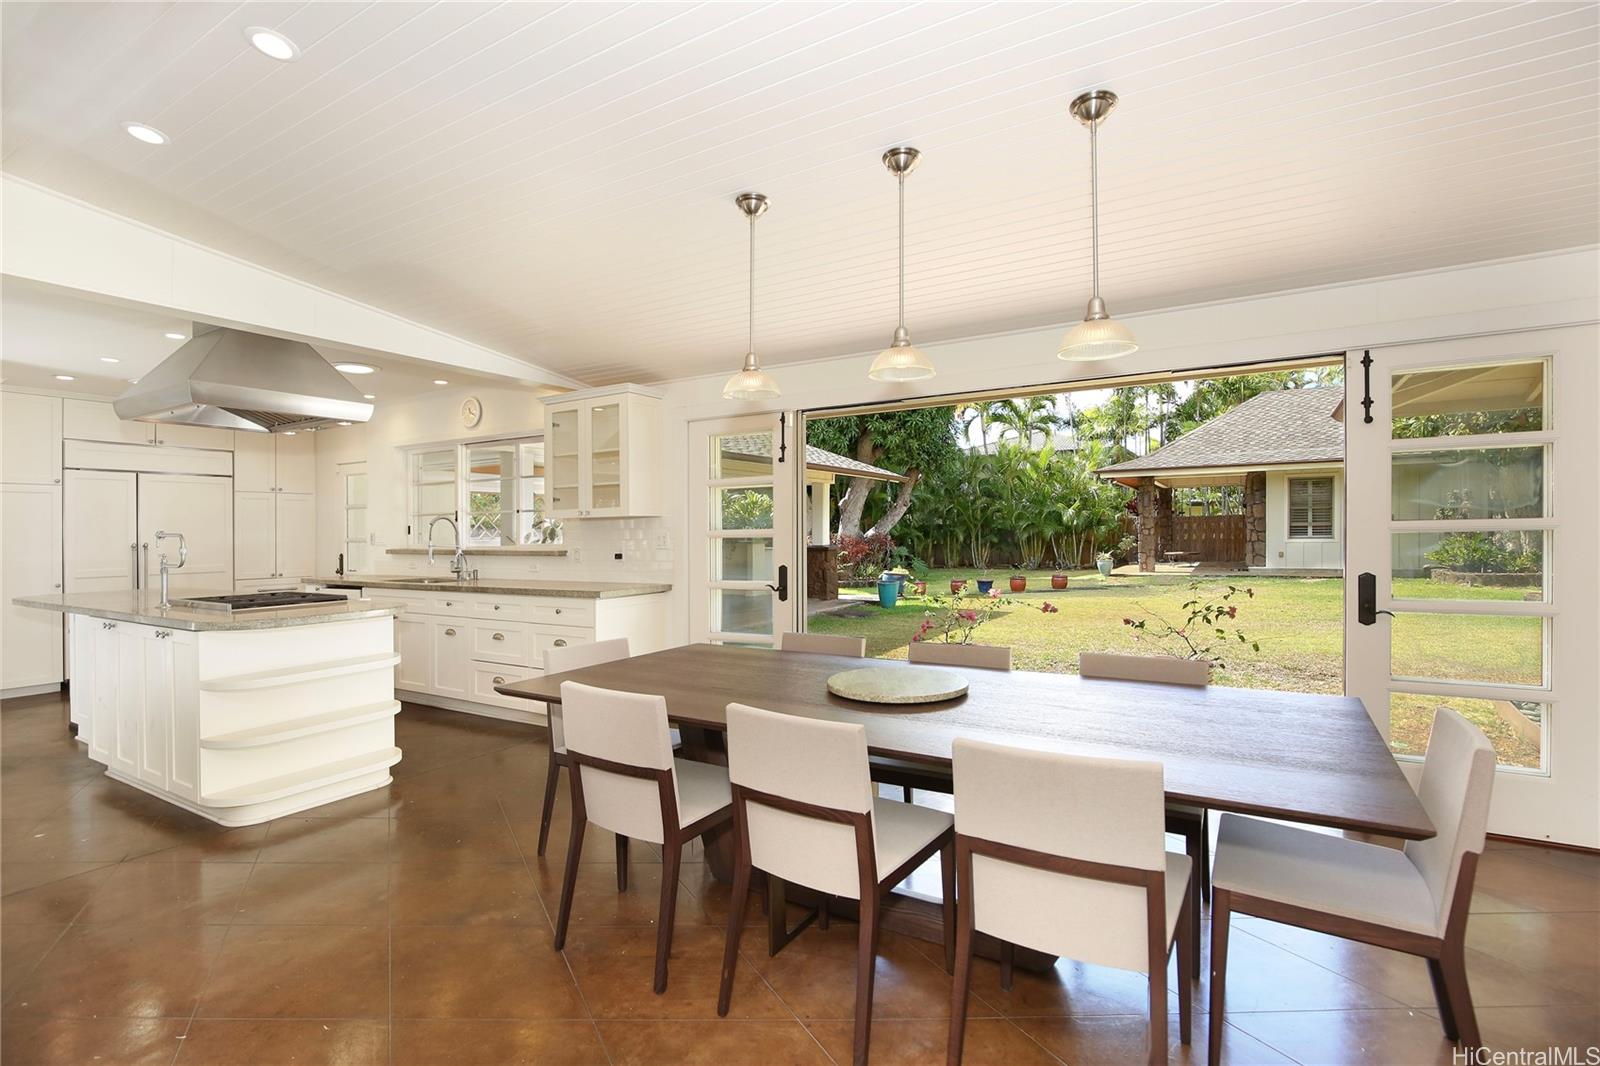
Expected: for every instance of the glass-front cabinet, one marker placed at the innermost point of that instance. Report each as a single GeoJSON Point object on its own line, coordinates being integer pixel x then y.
{"type": "Point", "coordinates": [602, 445]}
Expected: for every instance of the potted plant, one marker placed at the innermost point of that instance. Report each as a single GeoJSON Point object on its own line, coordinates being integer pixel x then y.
{"type": "Point", "coordinates": [957, 584]}
{"type": "Point", "coordinates": [1102, 563]}
{"type": "Point", "coordinates": [984, 585]}
{"type": "Point", "coordinates": [1019, 583]}
{"type": "Point", "coordinates": [888, 591]}
{"type": "Point", "coordinates": [1058, 580]}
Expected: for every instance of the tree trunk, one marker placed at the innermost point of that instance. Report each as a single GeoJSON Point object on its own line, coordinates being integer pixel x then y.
{"type": "Point", "coordinates": [897, 509]}
{"type": "Point", "coordinates": [850, 506]}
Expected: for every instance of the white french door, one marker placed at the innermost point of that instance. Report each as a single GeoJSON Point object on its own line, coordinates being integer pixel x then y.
{"type": "Point", "coordinates": [1472, 570]}
{"type": "Point", "coordinates": [742, 567]}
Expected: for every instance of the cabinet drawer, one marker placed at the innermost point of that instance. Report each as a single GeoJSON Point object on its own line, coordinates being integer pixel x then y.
{"type": "Point", "coordinates": [555, 611]}
{"type": "Point", "coordinates": [485, 676]}
{"type": "Point", "coordinates": [411, 602]}
{"type": "Point", "coordinates": [505, 642]}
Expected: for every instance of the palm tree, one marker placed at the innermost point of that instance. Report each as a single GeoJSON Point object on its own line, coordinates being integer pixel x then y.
{"type": "Point", "coordinates": [1026, 417]}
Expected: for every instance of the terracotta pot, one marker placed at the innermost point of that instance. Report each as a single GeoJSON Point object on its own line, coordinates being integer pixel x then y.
{"type": "Point", "coordinates": [1058, 581]}
{"type": "Point", "coordinates": [1019, 584]}
{"type": "Point", "coordinates": [921, 587]}
{"type": "Point", "coordinates": [957, 584]}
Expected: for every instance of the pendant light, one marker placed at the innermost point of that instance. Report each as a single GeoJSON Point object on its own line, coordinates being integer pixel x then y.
{"type": "Point", "coordinates": [751, 382]}
{"type": "Point", "coordinates": [1098, 336]}
{"type": "Point", "coordinates": [901, 361]}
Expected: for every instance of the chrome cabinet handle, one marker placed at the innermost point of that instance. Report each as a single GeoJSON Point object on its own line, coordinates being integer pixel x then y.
{"type": "Point", "coordinates": [162, 634]}
{"type": "Point", "coordinates": [134, 548]}
{"type": "Point", "coordinates": [499, 680]}
{"type": "Point", "coordinates": [449, 632]}
{"type": "Point", "coordinates": [499, 636]}
{"type": "Point", "coordinates": [561, 642]}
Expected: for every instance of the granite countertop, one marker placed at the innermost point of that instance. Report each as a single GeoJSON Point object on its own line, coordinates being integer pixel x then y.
{"type": "Point", "coordinates": [503, 586]}
{"type": "Point", "coordinates": [141, 607]}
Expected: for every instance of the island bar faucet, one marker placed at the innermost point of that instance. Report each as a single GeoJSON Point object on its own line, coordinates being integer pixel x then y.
{"type": "Point", "coordinates": [458, 561]}
{"type": "Point", "coordinates": [183, 557]}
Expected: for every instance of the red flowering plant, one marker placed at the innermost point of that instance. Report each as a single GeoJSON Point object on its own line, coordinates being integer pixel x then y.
{"type": "Point", "coordinates": [953, 618]}
{"type": "Point", "coordinates": [1206, 630]}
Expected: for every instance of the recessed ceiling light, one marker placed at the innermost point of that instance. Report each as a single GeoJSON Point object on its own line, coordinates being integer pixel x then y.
{"type": "Point", "coordinates": [175, 336]}
{"type": "Point", "coordinates": [65, 377]}
{"type": "Point", "coordinates": [440, 381]}
{"type": "Point", "coordinates": [288, 433]}
{"type": "Point", "coordinates": [344, 423]}
{"type": "Point", "coordinates": [109, 359]}
{"type": "Point", "coordinates": [368, 396]}
{"type": "Point", "coordinates": [272, 44]}
{"type": "Point", "coordinates": [148, 134]}
{"type": "Point", "coordinates": [355, 368]}
{"type": "Point", "coordinates": [133, 381]}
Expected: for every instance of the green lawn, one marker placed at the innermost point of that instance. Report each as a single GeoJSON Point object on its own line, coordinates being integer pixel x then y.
{"type": "Point", "coordinates": [1298, 622]}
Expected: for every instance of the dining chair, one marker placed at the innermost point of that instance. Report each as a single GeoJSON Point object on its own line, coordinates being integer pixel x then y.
{"type": "Point", "coordinates": [625, 779]}
{"type": "Point", "coordinates": [1097, 887]}
{"type": "Point", "coordinates": [558, 661]}
{"type": "Point", "coordinates": [981, 656]}
{"type": "Point", "coordinates": [823, 644]}
{"type": "Point", "coordinates": [804, 811]}
{"type": "Point", "coordinates": [1414, 899]}
{"type": "Point", "coordinates": [1183, 819]}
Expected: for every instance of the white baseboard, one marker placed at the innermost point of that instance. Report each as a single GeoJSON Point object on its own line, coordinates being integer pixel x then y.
{"type": "Point", "coordinates": [484, 710]}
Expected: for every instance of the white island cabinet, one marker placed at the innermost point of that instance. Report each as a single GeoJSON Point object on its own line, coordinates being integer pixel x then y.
{"type": "Point", "coordinates": [239, 718]}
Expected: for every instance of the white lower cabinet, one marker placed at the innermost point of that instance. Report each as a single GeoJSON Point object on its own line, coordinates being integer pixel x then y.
{"type": "Point", "coordinates": [138, 683]}
{"type": "Point", "coordinates": [456, 647]}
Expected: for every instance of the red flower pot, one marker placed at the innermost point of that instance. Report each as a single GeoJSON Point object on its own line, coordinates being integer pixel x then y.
{"type": "Point", "coordinates": [1019, 584]}
{"type": "Point", "coordinates": [957, 584]}
{"type": "Point", "coordinates": [1058, 581]}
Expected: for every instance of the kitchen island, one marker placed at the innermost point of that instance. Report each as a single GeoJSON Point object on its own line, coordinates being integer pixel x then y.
{"type": "Point", "coordinates": [239, 717]}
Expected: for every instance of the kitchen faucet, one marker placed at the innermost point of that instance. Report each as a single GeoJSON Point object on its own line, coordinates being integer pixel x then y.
{"type": "Point", "coordinates": [458, 561]}
{"type": "Point", "coordinates": [183, 557]}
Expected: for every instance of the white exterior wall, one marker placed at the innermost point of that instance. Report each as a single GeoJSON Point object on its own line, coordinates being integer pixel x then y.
{"type": "Point", "coordinates": [1302, 553]}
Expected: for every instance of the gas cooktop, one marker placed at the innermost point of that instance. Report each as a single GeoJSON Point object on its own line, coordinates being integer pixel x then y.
{"type": "Point", "coordinates": [260, 601]}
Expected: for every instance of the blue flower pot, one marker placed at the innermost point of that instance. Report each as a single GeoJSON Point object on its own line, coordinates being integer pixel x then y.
{"type": "Point", "coordinates": [888, 593]}
{"type": "Point", "coordinates": [984, 585]}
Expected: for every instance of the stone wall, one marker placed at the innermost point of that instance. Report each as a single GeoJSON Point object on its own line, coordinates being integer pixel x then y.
{"type": "Point", "coordinates": [1149, 524]}
{"type": "Point", "coordinates": [1255, 518]}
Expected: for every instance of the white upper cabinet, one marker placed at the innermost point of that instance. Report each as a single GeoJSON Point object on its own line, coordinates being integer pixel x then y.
{"type": "Point", "coordinates": [600, 449]}
{"type": "Point", "coordinates": [96, 420]}
{"type": "Point", "coordinates": [274, 462]}
{"type": "Point", "coordinates": [30, 439]}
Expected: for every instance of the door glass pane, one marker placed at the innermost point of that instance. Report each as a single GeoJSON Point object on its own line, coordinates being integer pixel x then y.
{"type": "Point", "coordinates": [491, 493]}
{"type": "Point", "coordinates": [741, 455]}
{"type": "Point", "coordinates": [1498, 650]}
{"type": "Point", "coordinates": [562, 440]}
{"type": "Point", "coordinates": [433, 493]}
{"type": "Point", "coordinates": [742, 559]}
{"type": "Point", "coordinates": [1494, 398]}
{"type": "Point", "coordinates": [742, 509]}
{"type": "Point", "coordinates": [738, 611]}
{"type": "Point", "coordinates": [1500, 565]}
{"type": "Point", "coordinates": [1514, 727]}
{"type": "Point", "coordinates": [1469, 483]}
{"type": "Point", "coordinates": [605, 428]}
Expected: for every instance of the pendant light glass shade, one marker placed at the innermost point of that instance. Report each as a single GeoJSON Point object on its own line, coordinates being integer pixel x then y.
{"type": "Point", "coordinates": [1098, 336]}
{"type": "Point", "coordinates": [901, 361]}
{"type": "Point", "coordinates": [751, 382]}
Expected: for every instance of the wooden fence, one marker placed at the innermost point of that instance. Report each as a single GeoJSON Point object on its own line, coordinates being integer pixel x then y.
{"type": "Point", "coordinates": [1217, 538]}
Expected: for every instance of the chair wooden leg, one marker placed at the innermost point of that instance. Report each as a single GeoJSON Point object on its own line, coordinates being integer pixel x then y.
{"type": "Point", "coordinates": [1203, 862]}
{"type": "Point", "coordinates": [777, 914]}
{"type": "Point", "coordinates": [960, 986]}
{"type": "Point", "coordinates": [905, 793]}
{"type": "Point", "coordinates": [671, 857]}
{"type": "Point", "coordinates": [1454, 964]}
{"type": "Point", "coordinates": [1188, 964]}
{"type": "Point", "coordinates": [730, 950]}
{"type": "Point", "coordinates": [622, 864]}
{"type": "Point", "coordinates": [1220, 914]}
{"type": "Point", "coordinates": [1158, 1012]}
{"type": "Point", "coordinates": [947, 877]}
{"type": "Point", "coordinates": [551, 776]}
{"type": "Point", "coordinates": [1008, 958]}
{"type": "Point", "coordinates": [866, 971]}
{"type": "Point", "coordinates": [1191, 917]}
{"type": "Point", "coordinates": [569, 877]}
{"type": "Point", "coordinates": [1441, 997]}
{"type": "Point", "coordinates": [822, 912]}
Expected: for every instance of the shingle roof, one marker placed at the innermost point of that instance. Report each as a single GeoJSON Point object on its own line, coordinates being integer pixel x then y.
{"type": "Point", "coordinates": [760, 445]}
{"type": "Point", "coordinates": [1271, 429]}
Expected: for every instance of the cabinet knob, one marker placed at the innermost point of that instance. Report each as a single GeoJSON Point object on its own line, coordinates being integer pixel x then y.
{"type": "Point", "coordinates": [497, 606]}
{"type": "Point", "coordinates": [499, 680]}
{"type": "Point", "coordinates": [558, 610]}
{"type": "Point", "coordinates": [449, 632]}
{"type": "Point", "coordinates": [56, 585]}
{"type": "Point", "coordinates": [449, 603]}
{"type": "Point", "coordinates": [561, 642]}
{"type": "Point", "coordinates": [499, 636]}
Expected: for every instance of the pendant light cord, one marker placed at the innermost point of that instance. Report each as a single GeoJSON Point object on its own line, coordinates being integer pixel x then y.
{"type": "Point", "coordinates": [1094, 207]}
{"type": "Point", "coordinates": [902, 177]}
{"type": "Point", "coordinates": [751, 335]}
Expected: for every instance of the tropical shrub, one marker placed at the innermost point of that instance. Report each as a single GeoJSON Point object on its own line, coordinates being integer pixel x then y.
{"type": "Point", "coordinates": [862, 559]}
{"type": "Point", "coordinates": [1206, 630]}
{"type": "Point", "coordinates": [1486, 553]}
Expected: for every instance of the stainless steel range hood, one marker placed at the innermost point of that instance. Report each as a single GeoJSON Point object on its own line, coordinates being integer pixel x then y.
{"type": "Point", "coordinates": [237, 380]}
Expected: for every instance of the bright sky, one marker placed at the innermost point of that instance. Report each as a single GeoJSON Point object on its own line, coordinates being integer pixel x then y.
{"type": "Point", "coordinates": [1081, 400]}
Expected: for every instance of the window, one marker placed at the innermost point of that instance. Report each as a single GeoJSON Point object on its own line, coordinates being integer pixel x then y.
{"type": "Point", "coordinates": [498, 485]}
{"type": "Point", "coordinates": [1311, 507]}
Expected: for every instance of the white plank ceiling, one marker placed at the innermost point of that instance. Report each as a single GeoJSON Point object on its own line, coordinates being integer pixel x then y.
{"type": "Point", "coordinates": [556, 181]}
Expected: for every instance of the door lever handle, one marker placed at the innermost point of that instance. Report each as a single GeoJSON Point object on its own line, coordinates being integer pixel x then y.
{"type": "Point", "coordinates": [782, 587]}
{"type": "Point", "coordinates": [1367, 600]}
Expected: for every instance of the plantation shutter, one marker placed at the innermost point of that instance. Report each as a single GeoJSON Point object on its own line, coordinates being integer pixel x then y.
{"type": "Point", "coordinates": [1311, 507]}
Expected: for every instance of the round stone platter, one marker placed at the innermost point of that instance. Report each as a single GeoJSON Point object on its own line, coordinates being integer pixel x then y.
{"type": "Point", "coordinates": [903, 684]}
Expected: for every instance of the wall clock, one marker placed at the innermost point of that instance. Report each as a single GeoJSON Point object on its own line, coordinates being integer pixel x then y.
{"type": "Point", "coordinates": [471, 411]}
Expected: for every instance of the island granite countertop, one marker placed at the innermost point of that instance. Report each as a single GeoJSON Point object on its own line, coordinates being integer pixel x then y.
{"type": "Point", "coordinates": [142, 607]}
{"type": "Point", "coordinates": [502, 586]}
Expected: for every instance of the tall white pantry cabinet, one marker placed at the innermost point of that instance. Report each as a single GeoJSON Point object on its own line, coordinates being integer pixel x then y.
{"type": "Point", "coordinates": [31, 654]}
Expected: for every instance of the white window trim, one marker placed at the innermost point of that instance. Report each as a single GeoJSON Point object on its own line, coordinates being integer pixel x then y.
{"type": "Point", "coordinates": [1333, 510]}
{"type": "Point", "coordinates": [419, 535]}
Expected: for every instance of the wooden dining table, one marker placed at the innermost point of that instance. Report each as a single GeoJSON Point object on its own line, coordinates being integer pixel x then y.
{"type": "Point", "coordinates": [1305, 757]}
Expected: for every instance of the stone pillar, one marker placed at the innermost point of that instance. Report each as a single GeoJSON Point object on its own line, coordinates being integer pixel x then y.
{"type": "Point", "coordinates": [1149, 537]}
{"type": "Point", "coordinates": [1166, 539]}
{"type": "Point", "coordinates": [1255, 519]}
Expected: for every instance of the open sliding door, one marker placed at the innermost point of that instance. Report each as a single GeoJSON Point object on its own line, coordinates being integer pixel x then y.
{"type": "Point", "coordinates": [1472, 575]}
{"type": "Point", "coordinates": [742, 567]}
